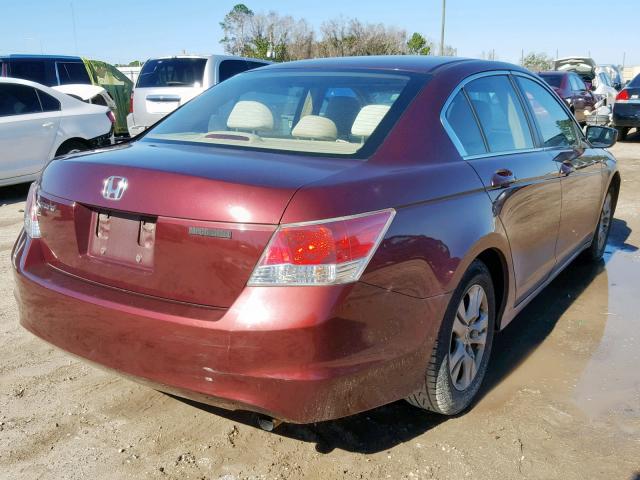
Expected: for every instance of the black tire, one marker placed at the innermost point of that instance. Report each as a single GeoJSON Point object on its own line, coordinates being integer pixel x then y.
{"type": "Point", "coordinates": [71, 146]}
{"type": "Point", "coordinates": [622, 133]}
{"type": "Point", "coordinates": [439, 393]}
{"type": "Point", "coordinates": [601, 235]}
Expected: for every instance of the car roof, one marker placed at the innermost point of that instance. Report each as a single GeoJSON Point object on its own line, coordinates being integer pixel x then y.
{"type": "Point", "coordinates": [400, 63]}
{"type": "Point", "coordinates": [223, 57]}
{"type": "Point", "coordinates": [22, 81]}
{"type": "Point", "coordinates": [18, 56]}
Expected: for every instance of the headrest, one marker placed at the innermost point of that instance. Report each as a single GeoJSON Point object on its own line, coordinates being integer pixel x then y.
{"type": "Point", "coordinates": [250, 115]}
{"type": "Point", "coordinates": [316, 128]}
{"type": "Point", "coordinates": [368, 119]}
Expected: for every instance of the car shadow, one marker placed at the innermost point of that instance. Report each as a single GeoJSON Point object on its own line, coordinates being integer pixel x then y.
{"type": "Point", "coordinates": [14, 194]}
{"type": "Point", "coordinates": [385, 427]}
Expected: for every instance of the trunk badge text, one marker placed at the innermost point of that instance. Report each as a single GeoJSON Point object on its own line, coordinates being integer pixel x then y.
{"type": "Point", "coordinates": [114, 187]}
{"type": "Point", "coordinates": [210, 232]}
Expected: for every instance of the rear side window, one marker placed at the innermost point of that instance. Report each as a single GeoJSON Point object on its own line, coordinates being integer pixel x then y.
{"type": "Point", "coordinates": [72, 72]}
{"type": "Point", "coordinates": [172, 72]}
{"type": "Point", "coordinates": [28, 70]}
{"type": "Point", "coordinates": [464, 125]}
{"type": "Point", "coordinates": [18, 100]}
{"type": "Point", "coordinates": [553, 80]}
{"type": "Point", "coordinates": [49, 103]}
{"type": "Point", "coordinates": [229, 68]}
{"type": "Point", "coordinates": [99, 100]}
{"type": "Point", "coordinates": [577, 85]}
{"type": "Point", "coordinates": [501, 114]}
{"type": "Point", "coordinates": [556, 126]}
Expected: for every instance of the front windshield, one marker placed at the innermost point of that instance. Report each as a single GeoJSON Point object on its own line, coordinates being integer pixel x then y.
{"type": "Point", "coordinates": [329, 113]}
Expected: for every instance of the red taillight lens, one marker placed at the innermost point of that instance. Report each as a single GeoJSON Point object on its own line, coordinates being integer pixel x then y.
{"type": "Point", "coordinates": [622, 96]}
{"type": "Point", "coordinates": [131, 103]}
{"type": "Point", "coordinates": [31, 212]}
{"type": "Point", "coordinates": [111, 116]}
{"type": "Point", "coordinates": [322, 253]}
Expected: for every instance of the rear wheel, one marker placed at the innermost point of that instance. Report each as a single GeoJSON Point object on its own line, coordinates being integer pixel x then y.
{"type": "Point", "coordinates": [622, 133]}
{"type": "Point", "coordinates": [72, 146]}
{"type": "Point", "coordinates": [460, 357]}
{"type": "Point", "coordinates": [601, 235]}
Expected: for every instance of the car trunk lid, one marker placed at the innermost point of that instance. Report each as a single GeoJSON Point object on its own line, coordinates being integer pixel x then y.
{"type": "Point", "coordinates": [190, 225]}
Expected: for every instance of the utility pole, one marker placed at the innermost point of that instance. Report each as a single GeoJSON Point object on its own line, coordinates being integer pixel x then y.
{"type": "Point", "coordinates": [444, 8]}
{"type": "Point", "coordinates": [73, 19]}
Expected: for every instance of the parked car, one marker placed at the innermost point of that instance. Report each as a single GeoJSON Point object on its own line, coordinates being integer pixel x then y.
{"type": "Point", "coordinates": [53, 70]}
{"type": "Point", "coordinates": [626, 110]}
{"type": "Point", "coordinates": [166, 83]}
{"type": "Point", "coordinates": [314, 239]}
{"type": "Point", "coordinates": [92, 94]}
{"type": "Point", "coordinates": [585, 67]}
{"type": "Point", "coordinates": [37, 123]}
{"type": "Point", "coordinates": [602, 87]}
{"type": "Point", "coordinates": [614, 73]}
{"type": "Point", "coordinates": [570, 87]}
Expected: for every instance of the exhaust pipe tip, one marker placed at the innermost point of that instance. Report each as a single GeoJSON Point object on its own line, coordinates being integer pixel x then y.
{"type": "Point", "coordinates": [268, 424]}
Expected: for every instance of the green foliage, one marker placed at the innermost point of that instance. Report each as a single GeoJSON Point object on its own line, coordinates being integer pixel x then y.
{"type": "Point", "coordinates": [418, 45]}
{"type": "Point", "coordinates": [537, 62]}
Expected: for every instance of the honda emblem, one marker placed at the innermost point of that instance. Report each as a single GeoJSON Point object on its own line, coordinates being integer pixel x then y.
{"type": "Point", "coordinates": [114, 188]}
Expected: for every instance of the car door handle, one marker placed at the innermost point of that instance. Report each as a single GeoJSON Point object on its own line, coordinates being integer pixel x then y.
{"type": "Point", "coordinates": [502, 178]}
{"type": "Point", "coordinates": [47, 124]}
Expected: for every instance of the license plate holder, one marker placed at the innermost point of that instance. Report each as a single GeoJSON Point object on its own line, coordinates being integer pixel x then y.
{"type": "Point", "coordinates": [123, 239]}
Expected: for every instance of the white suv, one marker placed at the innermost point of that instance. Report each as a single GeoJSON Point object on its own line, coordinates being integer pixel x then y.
{"type": "Point", "coordinates": [166, 83]}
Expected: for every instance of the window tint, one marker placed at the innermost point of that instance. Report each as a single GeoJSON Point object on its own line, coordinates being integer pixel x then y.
{"type": "Point", "coordinates": [461, 119]}
{"type": "Point", "coordinates": [553, 80]}
{"type": "Point", "coordinates": [28, 70]}
{"type": "Point", "coordinates": [500, 113]}
{"type": "Point", "coordinates": [49, 103]}
{"type": "Point", "coordinates": [18, 100]}
{"type": "Point", "coordinates": [229, 68]}
{"type": "Point", "coordinates": [72, 72]}
{"type": "Point", "coordinates": [635, 82]}
{"type": "Point", "coordinates": [172, 72]}
{"type": "Point", "coordinates": [556, 126]}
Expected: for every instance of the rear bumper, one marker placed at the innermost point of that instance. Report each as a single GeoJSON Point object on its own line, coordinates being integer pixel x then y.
{"type": "Point", "coordinates": [301, 354]}
{"type": "Point", "coordinates": [626, 115]}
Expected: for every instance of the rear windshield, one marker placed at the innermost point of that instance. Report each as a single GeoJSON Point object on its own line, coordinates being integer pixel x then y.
{"type": "Point", "coordinates": [635, 83]}
{"type": "Point", "coordinates": [552, 79]}
{"type": "Point", "coordinates": [327, 113]}
{"type": "Point", "coordinates": [172, 72]}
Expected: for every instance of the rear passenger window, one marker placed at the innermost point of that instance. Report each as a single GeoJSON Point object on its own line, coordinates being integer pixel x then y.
{"type": "Point", "coordinates": [229, 68]}
{"type": "Point", "coordinates": [70, 73]}
{"type": "Point", "coordinates": [501, 114]}
{"type": "Point", "coordinates": [461, 120]}
{"type": "Point", "coordinates": [556, 126]}
{"type": "Point", "coordinates": [28, 70]}
{"type": "Point", "coordinates": [18, 100]}
{"type": "Point", "coordinates": [49, 103]}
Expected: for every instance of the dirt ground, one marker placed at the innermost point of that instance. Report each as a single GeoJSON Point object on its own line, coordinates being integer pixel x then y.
{"type": "Point", "coordinates": [562, 399]}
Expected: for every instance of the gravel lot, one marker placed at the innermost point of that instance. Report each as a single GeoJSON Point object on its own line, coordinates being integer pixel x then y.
{"type": "Point", "coordinates": [562, 400]}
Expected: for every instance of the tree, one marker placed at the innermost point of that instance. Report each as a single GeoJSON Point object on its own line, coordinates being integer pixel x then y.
{"type": "Point", "coordinates": [235, 27]}
{"type": "Point", "coordinates": [537, 62]}
{"type": "Point", "coordinates": [135, 63]}
{"type": "Point", "coordinates": [418, 45]}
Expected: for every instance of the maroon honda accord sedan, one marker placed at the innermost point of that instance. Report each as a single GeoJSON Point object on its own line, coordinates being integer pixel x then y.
{"type": "Point", "coordinates": [314, 239]}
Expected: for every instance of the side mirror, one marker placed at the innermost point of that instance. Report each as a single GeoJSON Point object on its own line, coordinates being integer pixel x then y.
{"type": "Point", "coordinates": [601, 137]}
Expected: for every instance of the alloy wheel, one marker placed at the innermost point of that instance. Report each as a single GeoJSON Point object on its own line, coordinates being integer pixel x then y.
{"type": "Point", "coordinates": [468, 337]}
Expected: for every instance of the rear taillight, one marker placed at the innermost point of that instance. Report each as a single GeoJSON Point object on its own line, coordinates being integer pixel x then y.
{"type": "Point", "coordinates": [131, 103]}
{"type": "Point", "coordinates": [111, 116]}
{"type": "Point", "coordinates": [623, 96]}
{"type": "Point", "coordinates": [31, 213]}
{"type": "Point", "coordinates": [326, 252]}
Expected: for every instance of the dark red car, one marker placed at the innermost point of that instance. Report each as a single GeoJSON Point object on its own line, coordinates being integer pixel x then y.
{"type": "Point", "coordinates": [573, 90]}
{"type": "Point", "coordinates": [314, 239]}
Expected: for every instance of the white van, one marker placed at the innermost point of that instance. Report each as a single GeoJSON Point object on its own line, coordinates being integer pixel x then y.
{"type": "Point", "coordinates": [166, 83]}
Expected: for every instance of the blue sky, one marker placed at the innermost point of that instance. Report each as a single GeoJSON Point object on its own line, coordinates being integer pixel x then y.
{"type": "Point", "coordinates": [144, 28]}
